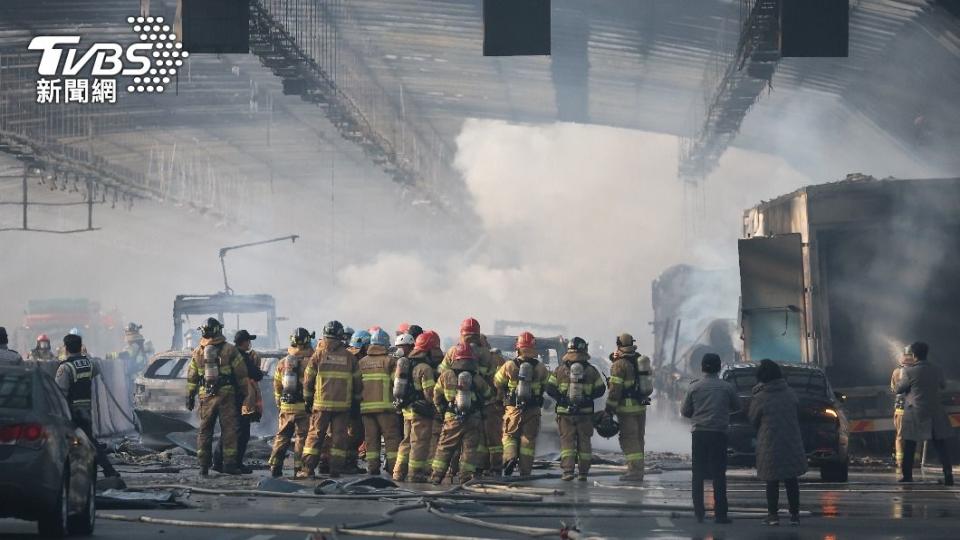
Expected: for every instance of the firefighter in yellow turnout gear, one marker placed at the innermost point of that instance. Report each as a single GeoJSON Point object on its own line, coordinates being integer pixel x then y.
{"type": "Point", "coordinates": [899, 401]}
{"type": "Point", "coordinates": [490, 451]}
{"type": "Point", "coordinates": [218, 374]}
{"type": "Point", "coordinates": [520, 382]}
{"type": "Point", "coordinates": [331, 387]}
{"type": "Point", "coordinates": [413, 392]}
{"type": "Point", "coordinates": [376, 406]}
{"type": "Point", "coordinates": [574, 385]}
{"type": "Point", "coordinates": [630, 384]}
{"type": "Point", "coordinates": [294, 421]}
{"type": "Point", "coordinates": [460, 394]}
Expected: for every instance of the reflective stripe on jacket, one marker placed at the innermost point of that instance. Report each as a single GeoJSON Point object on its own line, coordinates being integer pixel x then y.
{"type": "Point", "coordinates": [303, 358]}
{"type": "Point", "coordinates": [233, 371]}
{"type": "Point", "coordinates": [622, 380]}
{"type": "Point", "coordinates": [376, 376]}
{"type": "Point", "coordinates": [332, 379]}
{"type": "Point", "coordinates": [508, 377]}
{"type": "Point", "coordinates": [558, 384]}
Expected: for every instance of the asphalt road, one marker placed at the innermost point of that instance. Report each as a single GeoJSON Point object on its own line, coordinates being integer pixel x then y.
{"type": "Point", "coordinates": [871, 505]}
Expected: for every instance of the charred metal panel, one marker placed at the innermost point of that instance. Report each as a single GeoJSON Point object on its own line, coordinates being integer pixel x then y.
{"type": "Point", "coordinates": [771, 281]}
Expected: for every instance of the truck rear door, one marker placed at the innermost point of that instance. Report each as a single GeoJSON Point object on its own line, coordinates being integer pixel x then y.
{"type": "Point", "coordinates": [771, 298]}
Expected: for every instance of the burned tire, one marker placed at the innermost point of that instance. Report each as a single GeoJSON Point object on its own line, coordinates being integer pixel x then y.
{"type": "Point", "coordinates": [53, 522]}
{"type": "Point", "coordinates": [83, 523]}
{"type": "Point", "coordinates": [834, 472]}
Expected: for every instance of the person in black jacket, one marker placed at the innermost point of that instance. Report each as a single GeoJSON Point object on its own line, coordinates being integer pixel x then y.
{"type": "Point", "coordinates": [243, 340]}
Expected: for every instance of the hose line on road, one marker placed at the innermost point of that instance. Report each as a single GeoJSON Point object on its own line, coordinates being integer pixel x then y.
{"type": "Point", "coordinates": [285, 528]}
{"type": "Point", "coordinates": [519, 529]}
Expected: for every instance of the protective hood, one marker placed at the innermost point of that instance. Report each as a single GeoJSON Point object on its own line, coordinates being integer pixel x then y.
{"type": "Point", "coordinates": [464, 365]}
{"type": "Point", "coordinates": [212, 341]}
{"type": "Point", "coordinates": [376, 350]}
{"type": "Point", "coordinates": [575, 356]}
{"type": "Point", "coordinates": [304, 352]}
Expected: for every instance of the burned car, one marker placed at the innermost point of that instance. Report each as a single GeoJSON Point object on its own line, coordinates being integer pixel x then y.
{"type": "Point", "coordinates": [823, 422]}
{"type": "Point", "coordinates": [161, 393]}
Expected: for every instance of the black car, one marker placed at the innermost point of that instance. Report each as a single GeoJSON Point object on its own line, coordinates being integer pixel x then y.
{"type": "Point", "coordinates": [47, 470]}
{"type": "Point", "coordinates": [823, 423]}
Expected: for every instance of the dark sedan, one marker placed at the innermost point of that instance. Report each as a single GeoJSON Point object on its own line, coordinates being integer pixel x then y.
{"type": "Point", "coordinates": [823, 423]}
{"type": "Point", "coordinates": [47, 471]}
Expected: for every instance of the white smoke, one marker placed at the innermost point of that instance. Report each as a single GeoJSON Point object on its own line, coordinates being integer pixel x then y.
{"type": "Point", "coordinates": [577, 221]}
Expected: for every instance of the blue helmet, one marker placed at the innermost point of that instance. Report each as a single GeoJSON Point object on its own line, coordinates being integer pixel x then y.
{"type": "Point", "coordinates": [380, 338]}
{"type": "Point", "coordinates": [360, 338]}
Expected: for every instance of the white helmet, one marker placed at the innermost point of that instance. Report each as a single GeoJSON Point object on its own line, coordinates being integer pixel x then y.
{"type": "Point", "coordinates": [403, 339]}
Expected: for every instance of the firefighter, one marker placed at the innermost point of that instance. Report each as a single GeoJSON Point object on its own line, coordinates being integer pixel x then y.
{"type": "Point", "coordinates": [460, 394]}
{"type": "Point", "coordinates": [294, 421]}
{"type": "Point", "coordinates": [75, 379]}
{"type": "Point", "coordinates": [490, 450]}
{"type": "Point", "coordinates": [356, 447]}
{"type": "Point", "coordinates": [42, 352]}
{"type": "Point", "coordinates": [574, 385]}
{"type": "Point", "coordinates": [436, 357]}
{"type": "Point", "coordinates": [520, 382]}
{"type": "Point", "coordinates": [491, 461]}
{"type": "Point", "coordinates": [250, 406]}
{"type": "Point", "coordinates": [138, 350]}
{"type": "Point", "coordinates": [331, 387]}
{"type": "Point", "coordinates": [8, 356]}
{"type": "Point", "coordinates": [218, 374]}
{"type": "Point", "coordinates": [376, 406]}
{"type": "Point", "coordinates": [899, 400]}
{"type": "Point", "coordinates": [630, 386]}
{"type": "Point", "coordinates": [414, 384]}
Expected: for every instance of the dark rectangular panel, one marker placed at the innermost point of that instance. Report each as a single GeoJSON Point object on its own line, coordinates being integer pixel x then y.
{"type": "Point", "coordinates": [216, 26]}
{"type": "Point", "coordinates": [516, 27]}
{"type": "Point", "coordinates": [814, 28]}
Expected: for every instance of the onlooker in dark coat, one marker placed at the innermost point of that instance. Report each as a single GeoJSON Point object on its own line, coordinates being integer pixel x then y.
{"type": "Point", "coordinates": [775, 413]}
{"type": "Point", "coordinates": [710, 402]}
{"type": "Point", "coordinates": [924, 417]}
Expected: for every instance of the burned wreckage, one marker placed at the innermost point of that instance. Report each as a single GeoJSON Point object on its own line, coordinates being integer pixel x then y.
{"type": "Point", "coordinates": [161, 389]}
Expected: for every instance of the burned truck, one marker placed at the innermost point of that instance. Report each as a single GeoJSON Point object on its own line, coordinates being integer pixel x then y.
{"type": "Point", "coordinates": [843, 275]}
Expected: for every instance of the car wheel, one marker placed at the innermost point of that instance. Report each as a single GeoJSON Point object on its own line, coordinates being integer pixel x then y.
{"type": "Point", "coordinates": [53, 524]}
{"type": "Point", "coordinates": [83, 523]}
{"type": "Point", "coordinates": [834, 472]}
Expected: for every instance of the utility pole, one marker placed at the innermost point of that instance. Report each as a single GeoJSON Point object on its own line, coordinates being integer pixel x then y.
{"type": "Point", "coordinates": [25, 170]}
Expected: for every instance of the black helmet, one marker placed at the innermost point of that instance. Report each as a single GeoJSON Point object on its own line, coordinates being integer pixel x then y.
{"type": "Point", "coordinates": [333, 329]}
{"type": "Point", "coordinates": [415, 330]}
{"type": "Point", "coordinates": [577, 344]}
{"type": "Point", "coordinates": [212, 328]}
{"type": "Point", "coordinates": [133, 328]}
{"type": "Point", "coordinates": [301, 336]}
{"type": "Point", "coordinates": [606, 425]}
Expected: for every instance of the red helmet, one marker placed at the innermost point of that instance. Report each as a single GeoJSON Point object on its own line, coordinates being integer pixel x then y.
{"type": "Point", "coordinates": [404, 328]}
{"type": "Point", "coordinates": [463, 352]}
{"type": "Point", "coordinates": [424, 342]}
{"type": "Point", "coordinates": [434, 338]}
{"type": "Point", "coordinates": [526, 341]}
{"type": "Point", "coordinates": [43, 337]}
{"type": "Point", "coordinates": [469, 326]}
{"type": "Point", "coordinates": [374, 329]}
